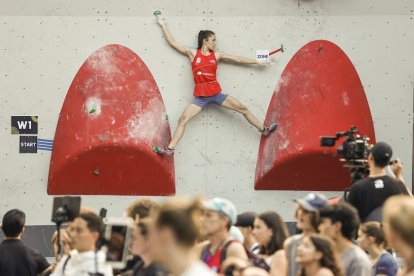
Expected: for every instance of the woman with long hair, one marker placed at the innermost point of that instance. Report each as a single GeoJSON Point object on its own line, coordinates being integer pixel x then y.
{"type": "Point", "coordinates": [371, 239]}
{"type": "Point", "coordinates": [318, 257]}
{"type": "Point", "coordinates": [270, 232]}
{"type": "Point", "coordinates": [207, 90]}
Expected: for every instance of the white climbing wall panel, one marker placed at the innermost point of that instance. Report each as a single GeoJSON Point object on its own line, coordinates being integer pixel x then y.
{"type": "Point", "coordinates": [43, 43]}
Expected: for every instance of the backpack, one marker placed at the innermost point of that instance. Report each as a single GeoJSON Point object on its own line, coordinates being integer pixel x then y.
{"type": "Point", "coordinates": [254, 259]}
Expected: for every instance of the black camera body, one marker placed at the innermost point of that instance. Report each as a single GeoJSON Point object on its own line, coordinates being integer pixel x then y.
{"type": "Point", "coordinates": [65, 209]}
{"type": "Point", "coordinates": [354, 150]}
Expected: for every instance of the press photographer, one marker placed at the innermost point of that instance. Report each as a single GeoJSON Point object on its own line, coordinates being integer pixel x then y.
{"type": "Point", "coordinates": [85, 231]}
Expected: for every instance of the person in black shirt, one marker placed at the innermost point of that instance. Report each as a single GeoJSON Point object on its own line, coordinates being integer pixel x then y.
{"type": "Point", "coordinates": [369, 194]}
{"type": "Point", "coordinates": [16, 258]}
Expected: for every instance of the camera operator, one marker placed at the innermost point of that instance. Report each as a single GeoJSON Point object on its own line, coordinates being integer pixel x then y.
{"type": "Point", "coordinates": [85, 231]}
{"type": "Point", "coordinates": [369, 194]}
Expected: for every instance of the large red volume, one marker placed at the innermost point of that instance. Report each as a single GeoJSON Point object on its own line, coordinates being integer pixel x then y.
{"type": "Point", "coordinates": [112, 115]}
{"type": "Point", "coordinates": [318, 94]}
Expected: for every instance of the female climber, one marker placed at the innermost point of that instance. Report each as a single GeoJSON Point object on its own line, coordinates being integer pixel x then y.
{"type": "Point", "coordinates": [207, 90]}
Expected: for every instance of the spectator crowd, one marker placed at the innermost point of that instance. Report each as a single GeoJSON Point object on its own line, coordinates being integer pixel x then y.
{"type": "Point", "coordinates": [370, 232]}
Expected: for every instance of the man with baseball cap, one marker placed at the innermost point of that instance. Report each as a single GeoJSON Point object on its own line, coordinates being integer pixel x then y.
{"type": "Point", "coordinates": [219, 215]}
{"type": "Point", "coordinates": [369, 194]}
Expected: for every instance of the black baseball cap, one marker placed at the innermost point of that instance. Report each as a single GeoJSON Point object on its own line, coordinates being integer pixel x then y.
{"type": "Point", "coordinates": [382, 154]}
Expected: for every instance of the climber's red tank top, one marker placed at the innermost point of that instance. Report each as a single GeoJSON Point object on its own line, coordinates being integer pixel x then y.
{"type": "Point", "coordinates": [204, 71]}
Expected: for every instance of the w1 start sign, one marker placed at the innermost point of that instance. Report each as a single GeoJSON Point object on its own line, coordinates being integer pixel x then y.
{"type": "Point", "coordinates": [262, 55]}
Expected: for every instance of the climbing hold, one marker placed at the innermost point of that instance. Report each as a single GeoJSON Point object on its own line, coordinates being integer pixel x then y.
{"type": "Point", "coordinates": [166, 117]}
{"type": "Point", "coordinates": [281, 48]}
{"type": "Point", "coordinates": [96, 171]}
{"type": "Point", "coordinates": [102, 137]}
{"type": "Point", "coordinates": [155, 149]}
{"type": "Point", "coordinates": [157, 12]}
{"type": "Point", "coordinates": [93, 109]}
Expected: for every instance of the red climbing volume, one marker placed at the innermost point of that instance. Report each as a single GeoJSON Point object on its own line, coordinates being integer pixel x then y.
{"type": "Point", "coordinates": [318, 94]}
{"type": "Point", "coordinates": [112, 115]}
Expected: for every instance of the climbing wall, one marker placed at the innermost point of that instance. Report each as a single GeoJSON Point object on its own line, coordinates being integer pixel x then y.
{"type": "Point", "coordinates": [43, 45]}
